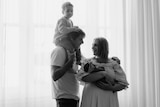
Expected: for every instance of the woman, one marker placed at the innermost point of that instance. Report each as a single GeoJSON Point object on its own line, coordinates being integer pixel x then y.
{"type": "Point", "coordinates": [103, 77]}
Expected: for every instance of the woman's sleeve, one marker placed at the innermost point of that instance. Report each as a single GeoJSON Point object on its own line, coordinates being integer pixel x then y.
{"type": "Point", "coordinates": [120, 75]}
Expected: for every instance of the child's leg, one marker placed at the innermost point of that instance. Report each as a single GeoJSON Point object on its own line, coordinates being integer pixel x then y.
{"type": "Point", "coordinates": [78, 56]}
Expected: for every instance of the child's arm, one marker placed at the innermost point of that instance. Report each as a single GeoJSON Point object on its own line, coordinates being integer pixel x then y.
{"type": "Point", "coordinates": [64, 28]}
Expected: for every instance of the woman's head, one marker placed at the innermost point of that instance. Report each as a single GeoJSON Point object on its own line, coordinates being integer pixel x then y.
{"type": "Point", "coordinates": [100, 47]}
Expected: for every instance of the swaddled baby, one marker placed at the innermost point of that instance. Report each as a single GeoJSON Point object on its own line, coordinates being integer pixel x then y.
{"type": "Point", "coordinates": [91, 68]}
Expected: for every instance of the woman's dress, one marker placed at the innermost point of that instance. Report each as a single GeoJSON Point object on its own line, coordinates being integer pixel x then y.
{"type": "Point", "coordinates": [95, 97]}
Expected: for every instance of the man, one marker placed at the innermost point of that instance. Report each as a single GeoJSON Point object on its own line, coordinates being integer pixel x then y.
{"type": "Point", "coordinates": [64, 69]}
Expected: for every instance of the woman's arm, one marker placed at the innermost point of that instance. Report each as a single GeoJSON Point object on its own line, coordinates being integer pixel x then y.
{"type": "Point", "coordinates": [92, 77]}
{"type": "Point", "coordinates": [118, 87]}
{"type": "Point", "coordinates": [105, 86]}
{"type": "Point", "coordinates": [64, 28]}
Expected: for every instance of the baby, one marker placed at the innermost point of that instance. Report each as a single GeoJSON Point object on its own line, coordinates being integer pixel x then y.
{"type": "Point", "coordinates": [91, 68]}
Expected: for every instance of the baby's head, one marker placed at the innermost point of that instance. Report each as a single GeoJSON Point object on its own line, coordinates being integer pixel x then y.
{"type": "Point", "coordinates": [67, 9]}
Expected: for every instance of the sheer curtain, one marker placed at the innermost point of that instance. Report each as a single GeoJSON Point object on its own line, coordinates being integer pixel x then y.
{"type": "Point", "coordinates": [26, 32]}
{"type": "Point", "coordinates": [142, 51]}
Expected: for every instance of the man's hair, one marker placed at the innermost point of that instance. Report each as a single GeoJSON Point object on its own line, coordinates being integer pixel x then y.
{"type": "Point", "coordinates": [76, 34]}
{"type": "Point", "coordinates": [66, 4]}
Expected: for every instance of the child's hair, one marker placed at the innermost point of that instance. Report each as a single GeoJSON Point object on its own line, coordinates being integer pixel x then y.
{"type": "Point", "coordinates": [66, 4]}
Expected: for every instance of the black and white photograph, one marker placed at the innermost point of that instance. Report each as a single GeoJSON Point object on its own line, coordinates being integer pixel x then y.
{"type": "Point", "coordinates": [79, 53]}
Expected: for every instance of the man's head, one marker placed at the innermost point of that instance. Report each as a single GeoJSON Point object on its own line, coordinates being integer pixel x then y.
{"type": "Point", "coordinates": [76, 38]}
{"type": "Point", "coordinates": [72, 40]}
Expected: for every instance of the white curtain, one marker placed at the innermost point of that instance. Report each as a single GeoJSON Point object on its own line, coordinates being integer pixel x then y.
{"type": "Point", "coordinates": [142, 51]}
{"type": "Point", "coordinates": [26, 32]}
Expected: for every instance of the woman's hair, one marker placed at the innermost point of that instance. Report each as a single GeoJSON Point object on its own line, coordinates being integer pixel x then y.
{"type": "Point", "coordinates": [66, 4]}
{"type": "Point", "coordinates": [103, 47]}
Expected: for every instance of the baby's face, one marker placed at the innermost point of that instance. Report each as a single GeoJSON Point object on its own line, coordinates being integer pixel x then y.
{"type": "Point", "coordinates": [68, 11]}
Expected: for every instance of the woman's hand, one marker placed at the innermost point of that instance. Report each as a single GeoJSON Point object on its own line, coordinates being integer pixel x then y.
{"type": "Point", "coordinates": [71, 58]}
{"type": "Point", "coordinates": [118, 87]}
{"type": "Point", "coordinates": [108, 87]}
{"type": "Point", "coordinates": [109, 79]}
{"type": "Point", "coordinates": [104, 86]}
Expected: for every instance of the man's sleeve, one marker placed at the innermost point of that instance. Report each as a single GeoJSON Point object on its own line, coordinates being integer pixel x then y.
{"type": "Point", "coordinates": [58, 57]}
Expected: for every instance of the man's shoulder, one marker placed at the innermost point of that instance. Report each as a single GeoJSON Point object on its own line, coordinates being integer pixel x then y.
{"type": "Point", "coordinates": [59, 49]}
{"type": "Point", "coordinates": [58, 56]}
{"type": "Point", "coordinates": [58, 52]}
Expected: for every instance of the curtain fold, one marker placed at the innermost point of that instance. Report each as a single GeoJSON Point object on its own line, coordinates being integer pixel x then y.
{"type": "Point", "coordinates": [2, 54]}
{"type": "Point", "coordinates": [144, 57]}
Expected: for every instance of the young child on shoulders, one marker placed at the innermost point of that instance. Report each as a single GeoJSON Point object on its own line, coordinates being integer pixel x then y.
{"type": "Point", "coordinates": [64, 24]}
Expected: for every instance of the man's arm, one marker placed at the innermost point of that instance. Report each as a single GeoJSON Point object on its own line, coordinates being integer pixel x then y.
{"type": "Point", "coordinates": [58, 72]}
